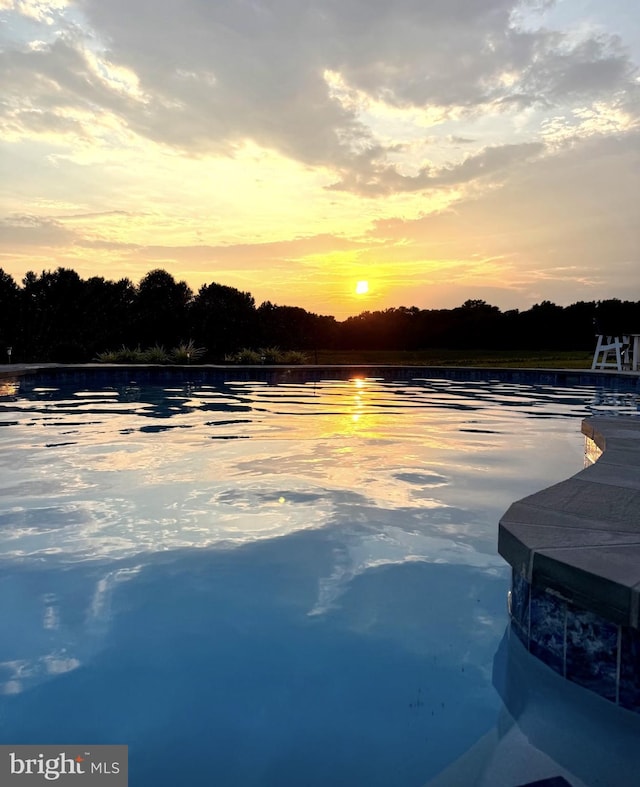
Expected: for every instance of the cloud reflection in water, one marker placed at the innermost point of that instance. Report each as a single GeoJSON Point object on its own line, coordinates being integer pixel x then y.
{"type": "Point", "coordinates": [297, 587]}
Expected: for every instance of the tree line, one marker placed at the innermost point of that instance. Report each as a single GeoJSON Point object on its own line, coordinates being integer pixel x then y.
{"type": "Point", "coordinates": [59, 317]}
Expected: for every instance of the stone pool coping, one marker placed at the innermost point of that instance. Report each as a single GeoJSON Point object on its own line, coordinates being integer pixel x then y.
{"type": "Point", "coordinates": [580, 538]}
{"type": "Point", "coordinates": [195, 372]}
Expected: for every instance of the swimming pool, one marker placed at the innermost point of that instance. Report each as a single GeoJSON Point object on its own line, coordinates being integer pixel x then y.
{"type": "Point", "coordinates": [274, 584]}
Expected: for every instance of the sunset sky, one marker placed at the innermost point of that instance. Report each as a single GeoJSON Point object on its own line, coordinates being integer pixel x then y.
{"type": "Point", "coordinates": [437, 149]}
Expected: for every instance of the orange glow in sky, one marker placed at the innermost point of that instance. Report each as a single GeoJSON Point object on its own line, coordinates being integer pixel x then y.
{"type": "Point", "coordinates": [452, 152]}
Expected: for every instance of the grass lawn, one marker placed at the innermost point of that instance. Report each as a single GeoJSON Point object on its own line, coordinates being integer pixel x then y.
{"type": "Point", "coordinates": [548, 359]}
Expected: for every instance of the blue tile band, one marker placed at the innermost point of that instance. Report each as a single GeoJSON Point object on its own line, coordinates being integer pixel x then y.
{"type": "Point", "coordinates": [576, 643]}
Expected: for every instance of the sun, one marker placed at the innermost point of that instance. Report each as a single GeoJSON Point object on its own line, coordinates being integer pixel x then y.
{"type": "Point", "coordinates": [362, 288]}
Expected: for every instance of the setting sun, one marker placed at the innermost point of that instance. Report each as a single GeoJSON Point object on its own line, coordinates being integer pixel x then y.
{"type": "Point", "coordinates": [358, 161]}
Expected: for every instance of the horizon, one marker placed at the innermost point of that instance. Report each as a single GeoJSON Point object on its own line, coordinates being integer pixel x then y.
{"type": "Point", "coordinates": [436, 153]}
{"type": "Point", "coordinates": [468, 303]}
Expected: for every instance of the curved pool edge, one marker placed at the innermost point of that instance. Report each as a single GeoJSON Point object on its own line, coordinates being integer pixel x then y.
{"type": "Point", "coordinates": [202, 373]}
{"type": "Point", "coordinates": [574, 549]}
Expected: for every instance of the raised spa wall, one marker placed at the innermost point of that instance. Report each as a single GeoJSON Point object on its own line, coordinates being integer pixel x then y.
{"type": "Point", "coordinates": [575, 553]}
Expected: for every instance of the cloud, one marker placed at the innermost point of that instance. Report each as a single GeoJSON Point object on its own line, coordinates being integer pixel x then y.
{"type": "Point", "coordinates": [107, 214]}
{"type": "Point", "coordinates": [58, 88]}
{"type": "Point", "coordinates": [491, 140]}
{"type": "Point", "coordinates": [205, 77]}
{"type": "Point", "coordinates": [33, 231]}
{"type": "Point", "coordinates": [39, 10]}
{"type": "Point", "coordinates": [488, 163]}
{"type": "Point", "coordinates": [591, 68]}
{"type": "Point", "coordinates": [246, 256]}
{"type": "Point", "coordinates": [561, 228]}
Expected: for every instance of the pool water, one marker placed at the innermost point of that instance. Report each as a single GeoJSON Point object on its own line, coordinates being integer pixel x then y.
{"type": "Point", "coordinates": [274, 584]}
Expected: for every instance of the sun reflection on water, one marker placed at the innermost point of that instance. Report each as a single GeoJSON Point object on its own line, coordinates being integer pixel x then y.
{"type": "Point", "coordinates": [9, 387]}
{"type": "Point", "coordinates": [201, 465]}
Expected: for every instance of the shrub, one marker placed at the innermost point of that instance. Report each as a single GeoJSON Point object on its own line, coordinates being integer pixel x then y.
{"type": "Point", "coordinates": [244, 356]}
{"type": "Point", "coordinates": [109, 356]}
{"type": "Point", "coordinates": [131, 356]}
{"type": "Point", "coordinates": [267, 355]}
{"type": "Point", "coordinates": [270, 354]}
{"type": "Point", "coordinates": [184, 353]}
{"type": "Point", "coordinates": [123, 355]}
{"type": "Point", "coordinates": [187, 352]}
{"type": "Point", "coordinates": [294, 357]}
{"type": "Point", "coordinates": [155, 354]}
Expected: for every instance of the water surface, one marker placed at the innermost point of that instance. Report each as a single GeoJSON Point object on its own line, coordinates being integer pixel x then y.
{"type": "Point", "coordinates": [256, 584]}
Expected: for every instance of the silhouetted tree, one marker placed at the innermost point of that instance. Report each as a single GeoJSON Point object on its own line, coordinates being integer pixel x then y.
{"type": "Point", "coordinates": [9, 316]}
{"type": "Point", "coordinates": [476, 324]}
{"type": "Point", "coordinates": [109, 314]}
{"type": "Point", "coordinates": [614, 316]}
{"type": "Point", "coordinates": [434, 328]}
{"type": "Point", "coordinates": [580, 325]}
{"type": "Point", "coordinates": [52, 316]}
{"type": "Point", "coordinates": [543, 326]}
{"type": "Point", "coordinates": [222, 319]}
{"type": "Point", "coordinates": [161, 309]}
{"type": "Point", "coordinates": [291, 327]}
{"type": "Point", "coordinates": [57, 316]}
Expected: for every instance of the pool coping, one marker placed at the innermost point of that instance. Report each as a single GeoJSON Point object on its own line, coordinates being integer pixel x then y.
{"type": "Point", "coordinates": [580, 538]}
{"type": "Point", "coordinates": [542, 375]}
{"type": "Point", "coordinates": [574, 549]}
